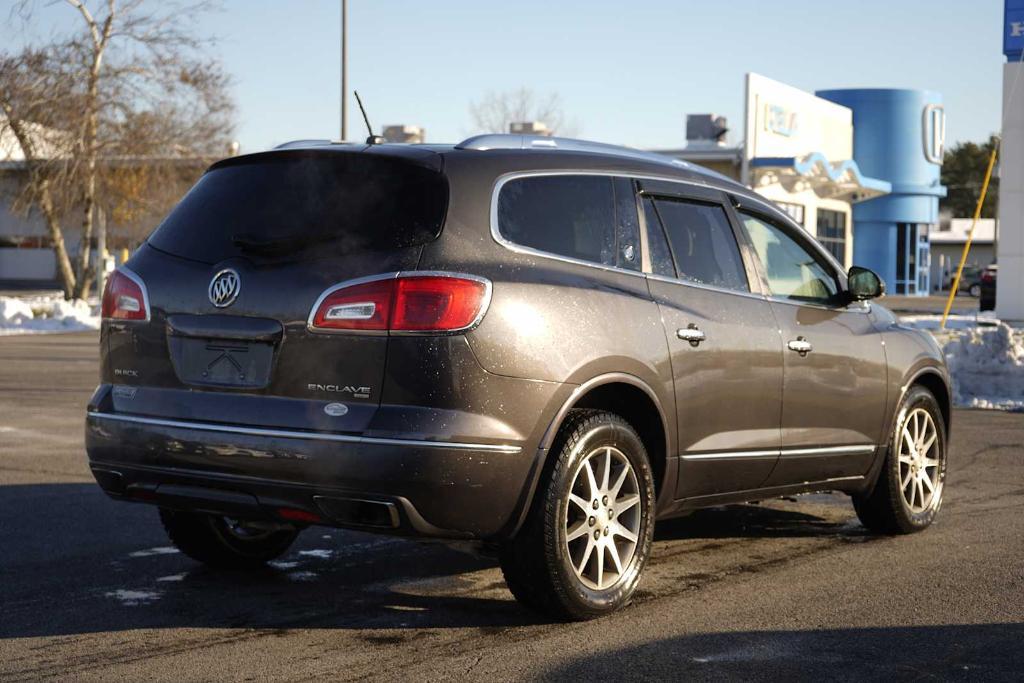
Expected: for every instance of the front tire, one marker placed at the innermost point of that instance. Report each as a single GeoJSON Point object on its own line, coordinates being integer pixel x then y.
{"type": "Point", "coordinates": [975, 290]}
{"type": "Point", "coordinates": [225, 543]}
{"type": "Point", "coordinates": [909, 490]}
{"type": "Point", "coordinates": [588, 534]}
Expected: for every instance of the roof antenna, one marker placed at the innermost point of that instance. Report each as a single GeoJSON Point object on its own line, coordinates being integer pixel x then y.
{"type": "Point", "coordinates": [371, 138]}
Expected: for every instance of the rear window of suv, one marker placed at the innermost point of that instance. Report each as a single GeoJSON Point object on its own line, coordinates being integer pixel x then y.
{"type": "Point", "coordinates": [298, 203]}
{"type": "Point", "coordinates": [566, 215]}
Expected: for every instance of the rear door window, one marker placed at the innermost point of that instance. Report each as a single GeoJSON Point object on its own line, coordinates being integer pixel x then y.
{"type": "Point", "coordinates": [565, 215]}
{"type": "Point", "coordinates": [288, 204]}
{"type": "Point", "coordinates": [702, 243]}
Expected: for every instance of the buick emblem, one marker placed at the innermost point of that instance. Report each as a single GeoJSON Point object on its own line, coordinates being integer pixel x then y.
{"type": "Point", "coordinates": [224, 288]}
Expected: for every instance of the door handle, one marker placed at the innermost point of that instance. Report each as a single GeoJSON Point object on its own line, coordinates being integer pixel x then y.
{"type": "Point", "coordinates": [691, 334]}
{"type": "Point", "coordinates": [801, 346]}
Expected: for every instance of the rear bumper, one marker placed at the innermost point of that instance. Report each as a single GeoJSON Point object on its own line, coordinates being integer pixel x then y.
{"type": "Point", "coordinates": [414, 487]}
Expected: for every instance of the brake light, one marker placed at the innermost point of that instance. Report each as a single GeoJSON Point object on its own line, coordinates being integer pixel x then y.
{"type": "Point", "coordinates": [988, 276]}
{"type": "Point", "coordinates": [406, 303]}
{"type": "Point", "coordinates": [124, 297]}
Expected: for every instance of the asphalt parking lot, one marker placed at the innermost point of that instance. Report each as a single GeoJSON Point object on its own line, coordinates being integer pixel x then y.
{"type": "Point", "coordinates": [89, 588]}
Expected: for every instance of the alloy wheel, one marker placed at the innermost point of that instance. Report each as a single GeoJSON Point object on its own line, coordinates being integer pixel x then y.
{"type": "Point", "coordinates": [602, 518]}
{"type": "Point", "coordinates": [919, 461]}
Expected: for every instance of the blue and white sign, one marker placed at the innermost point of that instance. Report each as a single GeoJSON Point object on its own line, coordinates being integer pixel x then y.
{"type": "Point", "coordinates": [1013, 30]}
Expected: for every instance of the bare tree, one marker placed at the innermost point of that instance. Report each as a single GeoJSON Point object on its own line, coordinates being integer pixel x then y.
{"type": "Point", "coordinates": [138, 105]}
{"type": "Point", "coordinates": [497, 110]}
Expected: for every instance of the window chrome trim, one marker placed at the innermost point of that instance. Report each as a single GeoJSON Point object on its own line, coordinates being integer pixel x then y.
{"type": "Point", "coordinates": [711, 288]}
{"type": "Point", "coordinates": [529, 251]}
{"type": "Point", "coordinates": [866, 308]}
{"type": "Point", "coordinates": [298, 434]}
{"type": "Point", "coordinates": [488, 290]}
{"type": "Point", "coordinates": [782, 452]}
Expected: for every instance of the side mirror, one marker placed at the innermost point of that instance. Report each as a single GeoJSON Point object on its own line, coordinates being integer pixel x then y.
{"type": "Point", "coordinates": [864, 284]}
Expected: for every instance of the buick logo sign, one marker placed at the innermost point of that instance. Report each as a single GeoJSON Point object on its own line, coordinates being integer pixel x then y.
{"type": "Point", "coordinates": [224, 288]}
{"type": "Point", "coordinates": [933, 130]}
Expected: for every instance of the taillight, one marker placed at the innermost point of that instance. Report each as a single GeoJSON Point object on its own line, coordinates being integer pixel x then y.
{"type": "Point", "coordinates": [988, 276]}
{"type": "Point", "coordinates": [410, 302]}
{"type": "Point", "coordinates": [124, 297]}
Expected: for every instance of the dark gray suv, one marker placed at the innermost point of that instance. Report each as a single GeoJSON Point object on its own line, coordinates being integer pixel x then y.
{"type": "Point", "coordinates": [535, 344]}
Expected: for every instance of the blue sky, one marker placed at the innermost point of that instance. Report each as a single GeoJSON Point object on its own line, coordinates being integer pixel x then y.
{"type": "Point", "coordinates": [627, 72]}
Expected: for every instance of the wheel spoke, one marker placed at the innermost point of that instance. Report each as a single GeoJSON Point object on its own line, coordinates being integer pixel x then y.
{"type": "Point", "coordinates": [586, 555]}
{"type": "Point", "coordinates": [931, 462]}
{"type": "Point", "coordinates": [625, 533]}
{"type": "Point", "coordinates": [909, 441]}
{"type": "Point", "coordinates": [607, 469]}
{"type": "Point", "coordinates": [600, 567]}
{"type": "Point", "coordinates": [580, 503]}
{"type": "Point", "coordinates": [927, 445]}
{"type": "Point", "coordinates": [625, 504]}
{"type": "Point", "coordinates": [581, 529]}
{"type": "Point", "coordinates": [917, 427]}
{"type": "Point", "coordinates": [913, 494]}
{"type": "Point", "coordinates": [614, 494]}
{"type": "Point", "coordinates": [906, 480]}
{"type": "Point", "coordinates": [591, 481]}
{"type": "Point", "coordinates": [920, 493]}
{"type": "Point", "coordinates": [927, 481]}
{"type": "Point", "coordinates": [613, 550]}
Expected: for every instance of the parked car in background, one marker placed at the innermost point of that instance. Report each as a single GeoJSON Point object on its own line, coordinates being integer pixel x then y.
{"type": "Point", "coordinates": [987, 287]}
{"type": "Point", "coordinates": [539, 346]}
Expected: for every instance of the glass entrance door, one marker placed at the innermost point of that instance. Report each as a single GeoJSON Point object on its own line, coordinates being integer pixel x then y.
{"type": "Point", "coordinates": [913, 258]}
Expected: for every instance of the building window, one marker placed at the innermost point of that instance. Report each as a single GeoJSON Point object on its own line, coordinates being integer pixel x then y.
{"type": "Point", "coordinates": [794, 211]}
{"type": "Point", "coordinates": [832, 232]}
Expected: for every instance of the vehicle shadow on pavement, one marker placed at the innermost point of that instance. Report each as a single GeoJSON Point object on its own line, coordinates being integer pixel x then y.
{"type": "Point", "coordinates": [75, 562]}
{"type": "Point", "coordinates": [945, 652]}
{"type": "Point", "coordinates": [757, 521]}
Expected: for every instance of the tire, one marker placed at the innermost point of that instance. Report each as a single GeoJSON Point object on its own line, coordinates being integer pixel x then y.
{"type": "Point", "coordinates": [539, 564]}
{"type": "Point", "coordinates": [975, 290]}
{"type": "Point", "coordinates": [227, 544]}
{"type": "Point", "coordinates": [893, 507]}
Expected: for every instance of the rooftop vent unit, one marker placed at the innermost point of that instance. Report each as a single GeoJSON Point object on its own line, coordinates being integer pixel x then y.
{"type": "Point", "coordinates": [706, 130]}
{"type": "Point", "coordinates": [529, 128]}
{"type": "Point", "coordinates": [405, 133]}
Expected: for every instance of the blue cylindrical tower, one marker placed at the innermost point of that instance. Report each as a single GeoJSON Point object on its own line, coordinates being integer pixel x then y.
{"type": "Point", "coordinates": [898, 136]}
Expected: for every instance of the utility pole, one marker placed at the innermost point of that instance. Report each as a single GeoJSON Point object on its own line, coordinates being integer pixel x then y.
{"type": "Point", "coordinates": [344, 69]}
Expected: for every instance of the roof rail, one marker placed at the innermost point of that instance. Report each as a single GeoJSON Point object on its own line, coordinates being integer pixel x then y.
{"type": "Point", "coordinates": [512, 141]}
{"type": "Point", "coordinates": [292, 144]}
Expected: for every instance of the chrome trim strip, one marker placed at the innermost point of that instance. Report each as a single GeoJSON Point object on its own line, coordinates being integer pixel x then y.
{"type": "Point", "coordinates": [296, 434]}
{"type": "Point", "coordinates": [831, 450]}
{"type": "Point", "coordinates": [710, 288]}
{"type": "Point", "coordinates": [781, 452]}
{"type": "Point", "coordinates": [488, 290]}
{"type": "Point", "coordinates": [729, 455]}
{"type": "Point", "coordinates": [134, 277]}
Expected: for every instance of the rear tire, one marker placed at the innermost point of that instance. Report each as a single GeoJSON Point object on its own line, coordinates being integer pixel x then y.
{"type": "Point", "coordinates": [594, 508]}
{"type": "Point", "coordinates": [909, 490]}
{"type": "Point", "coordinates": [227, 544]}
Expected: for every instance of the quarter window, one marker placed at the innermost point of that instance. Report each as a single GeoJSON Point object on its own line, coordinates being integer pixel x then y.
{"type": "Point", "coordinates": [792, 271]}
{"type": "Point", "coordinates": [702, 242]}
{"type": "Point", "coordinates": [567, 215]}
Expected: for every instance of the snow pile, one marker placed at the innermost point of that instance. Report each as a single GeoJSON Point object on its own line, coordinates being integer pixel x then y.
{"type": "Point", "coordinates": [987, 365]}
{"type": "Point", "coordinates": [38, 315]}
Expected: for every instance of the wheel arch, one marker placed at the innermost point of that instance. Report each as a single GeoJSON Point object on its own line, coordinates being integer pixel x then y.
{"type": "Point", "coordinates": [937, 382]}
{"type": "Point", "coordinates": [633, 399]}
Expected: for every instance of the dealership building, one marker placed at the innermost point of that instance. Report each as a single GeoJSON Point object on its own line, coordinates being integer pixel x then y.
{"type": "Point", "coordinates": [858, 169]}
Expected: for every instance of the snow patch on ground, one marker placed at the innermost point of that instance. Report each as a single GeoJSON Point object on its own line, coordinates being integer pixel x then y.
{"type": "Point", "coordinates": [46, 314]}
{"type": "Point", "coordinates": [173, 578]}
{"type": "Point", "coordinates": [150, 552]}
{"type": "Point", "coordinates": [132, 598]}
{"type": "Point", "coordinates": [985, 358]}
{"type": "Point", "coordinates": [319, 552]}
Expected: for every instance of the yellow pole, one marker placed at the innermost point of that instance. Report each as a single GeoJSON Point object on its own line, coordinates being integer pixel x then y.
{"type": "Point", "coordinates": [970, 236]}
